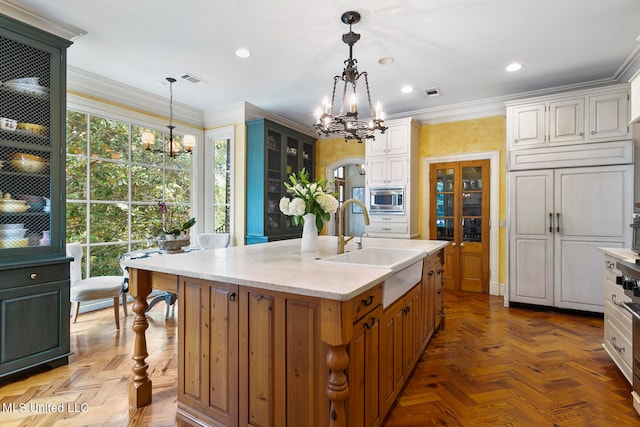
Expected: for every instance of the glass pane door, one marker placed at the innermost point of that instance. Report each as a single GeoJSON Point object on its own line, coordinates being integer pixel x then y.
{"type": "Point", "coordinates": [445, 203]}
{"type": "Point", "coordinates": [472, 204]}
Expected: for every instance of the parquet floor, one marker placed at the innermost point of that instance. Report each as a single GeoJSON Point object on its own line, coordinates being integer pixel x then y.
{"type": "Point", "coordinates": [490, 366]}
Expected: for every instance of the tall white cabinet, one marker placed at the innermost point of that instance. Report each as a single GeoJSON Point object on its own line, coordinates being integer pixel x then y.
{"type": "Point", "coordinates": [392, 161]}
{"type": "Point", "coordinates": [566, 199]}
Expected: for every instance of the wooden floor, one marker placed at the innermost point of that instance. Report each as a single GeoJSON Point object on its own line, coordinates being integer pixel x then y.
{"type": "Point", "coordinates": [489, 366]}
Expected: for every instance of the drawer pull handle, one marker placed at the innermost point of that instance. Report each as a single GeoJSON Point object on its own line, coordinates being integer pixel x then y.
{"type": "Point", "coordinates": [34, 276]}
{"type": "Point", "coordinates": [232, 297]}
{"type": "Point", "coordinates": [613, 343]}
{"type": "Point", "coordinates": [371, 323]}
{"type": "Point", "coordinates": [431, 273]}
{"type": "Point", "coordinates": [368, 302]}
{"type": "Point", "coordinates": [614, 300]}
{"type": "Point", "coordinates": [406, 310]}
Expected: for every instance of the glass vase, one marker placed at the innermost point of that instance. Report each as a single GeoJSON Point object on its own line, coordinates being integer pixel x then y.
{"type": "Point", "coordinates": [309, 233]}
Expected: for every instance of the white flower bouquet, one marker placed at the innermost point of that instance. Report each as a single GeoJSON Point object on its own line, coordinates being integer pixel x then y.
{"type": "Point", "coordinates": [308, 197]}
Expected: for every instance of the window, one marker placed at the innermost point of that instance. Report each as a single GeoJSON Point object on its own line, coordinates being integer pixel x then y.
{"type": "Point", "coordinates": [114, 186]}
{"type": "Point", "coordinates": [222, 186]}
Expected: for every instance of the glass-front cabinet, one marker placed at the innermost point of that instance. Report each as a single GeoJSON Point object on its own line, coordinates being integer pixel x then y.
{"type": "Point", "coordinates": [34, 269]}
{"type": "Point", "coordinates": [460, 215]}
{"type": "Point", "coordinates": [274, 152]}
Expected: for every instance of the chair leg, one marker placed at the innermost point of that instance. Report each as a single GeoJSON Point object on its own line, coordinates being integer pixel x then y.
{"type": "Point", "coordinates": [124, 304]}
{"type": "Point", "coordinates": [76, 309]}
{"type": "Point", "coordinates": [116, 311]}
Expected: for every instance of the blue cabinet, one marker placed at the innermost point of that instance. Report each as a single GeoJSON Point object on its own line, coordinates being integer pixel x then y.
{"type": "Point", "coordinates": [273, 153]}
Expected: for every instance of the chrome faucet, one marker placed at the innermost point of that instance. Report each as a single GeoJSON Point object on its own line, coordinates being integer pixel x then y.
{"type": "Point", "coordinates": [341, 240]}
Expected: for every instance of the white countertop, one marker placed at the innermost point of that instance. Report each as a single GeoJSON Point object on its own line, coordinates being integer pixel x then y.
{"type": "Point", "coordinates": [281, 266]}
{"type": "Point", "coordinates": [621, 254]}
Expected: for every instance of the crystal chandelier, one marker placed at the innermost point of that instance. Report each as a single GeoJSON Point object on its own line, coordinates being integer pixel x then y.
{"type": "Point", "coordinates": [175, 148]}
{"type": "Point", "coordinates": [346, 122]}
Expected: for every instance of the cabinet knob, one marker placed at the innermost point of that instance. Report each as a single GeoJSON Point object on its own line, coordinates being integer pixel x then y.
{"type": "Point", "coordinates": [581, 134]}
{"type": "Point", "coordinates": [232, 297]}
{"type": "Point", "coordinates": [34, 276]}
{"type": "Point", "coordinates": [453, 244]}
{"type": "Point", "coordinates": [593, 132]}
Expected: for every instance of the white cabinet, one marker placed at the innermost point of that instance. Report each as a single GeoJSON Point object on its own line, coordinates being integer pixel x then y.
{"type": "Point", "coordinates": [593, 115]}
{"type": "Point", "coordinates": [618, 339]}
{"type": "Point", "coordinates": [388, 171]}
{"type": "Point", "coordinates": [558, 219]}
{"type": "Point", "coordinates": [392, 161]}
{"type": "Point", "coordinates": [635, 97]}
{"type": "Point", "coordinates": [609, 116]}
{"type": "Point", "coordinates": [394, 141]}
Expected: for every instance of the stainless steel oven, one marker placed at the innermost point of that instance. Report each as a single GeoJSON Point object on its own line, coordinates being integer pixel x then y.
{"type": "Point", "coordinates": [386, 200]}
{"type": "Point", "coordinates": [635, 241]}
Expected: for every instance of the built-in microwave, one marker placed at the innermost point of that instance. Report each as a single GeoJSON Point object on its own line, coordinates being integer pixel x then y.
{"type": "Point", "coordinates": [386, 200]}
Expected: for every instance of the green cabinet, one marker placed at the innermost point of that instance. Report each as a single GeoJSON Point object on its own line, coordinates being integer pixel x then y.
{"type": "Point", "coordinates": [273, 153]}
{"type": "Point", "coordinates": [34, 270]}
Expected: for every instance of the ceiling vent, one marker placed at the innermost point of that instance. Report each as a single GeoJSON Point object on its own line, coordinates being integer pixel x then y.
{"type": "Point", "coordinates": [192, 79]}
{"type": "Point", "coordinates": [434, 91]}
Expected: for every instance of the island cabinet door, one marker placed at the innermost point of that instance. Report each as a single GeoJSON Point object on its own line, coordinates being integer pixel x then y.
{"type": "Point", "coordinates": [208, 352]}
{"type": "Point", "coordinates": [363, 408]}
{"type": "Point", "coordinates": [391, 354]}
{"type": "Point", "coordinates": [283, 369]}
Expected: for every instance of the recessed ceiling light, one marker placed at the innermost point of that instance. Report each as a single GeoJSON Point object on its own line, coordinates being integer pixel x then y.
{"type": "Point", "coordinates": [513, 67]}
{"type": "Point", "coordinates": [243, 53]}
{"type": "Point", "coordinates": [406, 89]}
{"type": "Point", "coordinates": [385, 61]}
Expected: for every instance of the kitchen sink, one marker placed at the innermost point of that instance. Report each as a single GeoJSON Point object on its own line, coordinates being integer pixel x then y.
{"type": "Point", "coordinates": [406, 264]}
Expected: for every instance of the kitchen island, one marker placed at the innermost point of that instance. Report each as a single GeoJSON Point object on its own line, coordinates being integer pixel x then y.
{"type": "Point", "coordinates": [271, 336]}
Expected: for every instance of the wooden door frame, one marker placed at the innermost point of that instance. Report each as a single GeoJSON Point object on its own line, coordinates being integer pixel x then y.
{"type": "Point", "coordinates": [494, 205]}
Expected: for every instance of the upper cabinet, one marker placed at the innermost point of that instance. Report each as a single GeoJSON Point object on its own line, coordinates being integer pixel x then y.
{"type": "Point", "coordinates": [273, 153]}
{"type": "Point", "coordinates": [635, 98]}
{"type": "Point", "coordinates": [32, 129]}
{"type": "Point", "coordinates": [388, 155]}
{"type": "Point", "coordinates": [595, 115]}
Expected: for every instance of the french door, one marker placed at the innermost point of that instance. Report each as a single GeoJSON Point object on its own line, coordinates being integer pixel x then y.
{"type": "Point", "coordinates": [460, 214]}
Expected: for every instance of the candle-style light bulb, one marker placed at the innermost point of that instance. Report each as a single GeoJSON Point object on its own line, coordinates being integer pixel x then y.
{"type": "Point", "coordinates": [352, 106]}
{"type": "Point", "coordinates": [327, 106]}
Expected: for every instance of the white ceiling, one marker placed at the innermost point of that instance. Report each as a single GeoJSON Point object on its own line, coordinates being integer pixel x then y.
{"type": "Point", "coordinates": [459, 46]}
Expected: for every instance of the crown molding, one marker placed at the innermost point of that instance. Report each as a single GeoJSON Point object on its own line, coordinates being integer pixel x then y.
{"type": "Point", "coordinates": [83, 84]}
{"type": "Point", "coordinates": [17, 11]}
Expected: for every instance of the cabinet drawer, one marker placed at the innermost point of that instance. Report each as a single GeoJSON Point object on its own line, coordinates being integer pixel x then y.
{"type": "Point", "coordinates": [618, 345]}
{"type": "Point", "coordinates": [387, 219]}
{"type": "Point", "coordinates": [34, 275]}
{"type": "Point", "coordinates": [399, 228]}
{"type": "Point", "coordinates": [366, 302]}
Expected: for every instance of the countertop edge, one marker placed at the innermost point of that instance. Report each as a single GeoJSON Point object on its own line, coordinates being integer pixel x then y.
{"type": "Point", "coordinates": [234, 269]}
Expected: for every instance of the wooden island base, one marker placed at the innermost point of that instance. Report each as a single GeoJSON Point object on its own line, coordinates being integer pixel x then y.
{"type": "Point", "coordinates": [252, 356]}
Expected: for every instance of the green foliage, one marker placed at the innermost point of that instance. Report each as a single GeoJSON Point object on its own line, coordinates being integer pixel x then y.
{"type": "Point", "coordinates": [111, 199]}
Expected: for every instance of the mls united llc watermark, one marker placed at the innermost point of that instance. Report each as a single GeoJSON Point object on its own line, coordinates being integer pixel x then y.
{"type": "Point", "coordinates": [45, 407]}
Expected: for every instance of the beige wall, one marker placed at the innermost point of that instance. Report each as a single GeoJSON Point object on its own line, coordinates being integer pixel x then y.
{"type": "Point", "coordinates": [331, 150]}
{"type": "Point", "coordinates": [471, 136]}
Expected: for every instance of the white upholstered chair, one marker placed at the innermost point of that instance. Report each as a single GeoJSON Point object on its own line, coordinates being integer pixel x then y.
{"type": "Point", "coordinates": [93, 288]}
{"type": "Point", "coordinates": [213, 240]}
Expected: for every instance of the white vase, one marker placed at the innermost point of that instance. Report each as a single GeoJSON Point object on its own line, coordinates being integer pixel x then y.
{"type": "Point", "coordinates": [309, 233]}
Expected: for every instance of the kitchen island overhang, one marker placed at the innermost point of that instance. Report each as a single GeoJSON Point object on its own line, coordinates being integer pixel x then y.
{"type": "Point", "coordinates": [277, 268]}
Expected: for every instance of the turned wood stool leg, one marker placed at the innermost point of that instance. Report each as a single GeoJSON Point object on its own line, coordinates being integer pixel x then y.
{"type": "Point", "coordinates": [140, 387]}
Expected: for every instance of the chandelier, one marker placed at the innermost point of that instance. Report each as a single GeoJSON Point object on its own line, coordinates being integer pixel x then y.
{"type": "Point", "coordinates": [346, 123]}
{"type": "Point", "coordinates": [175, 148]}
